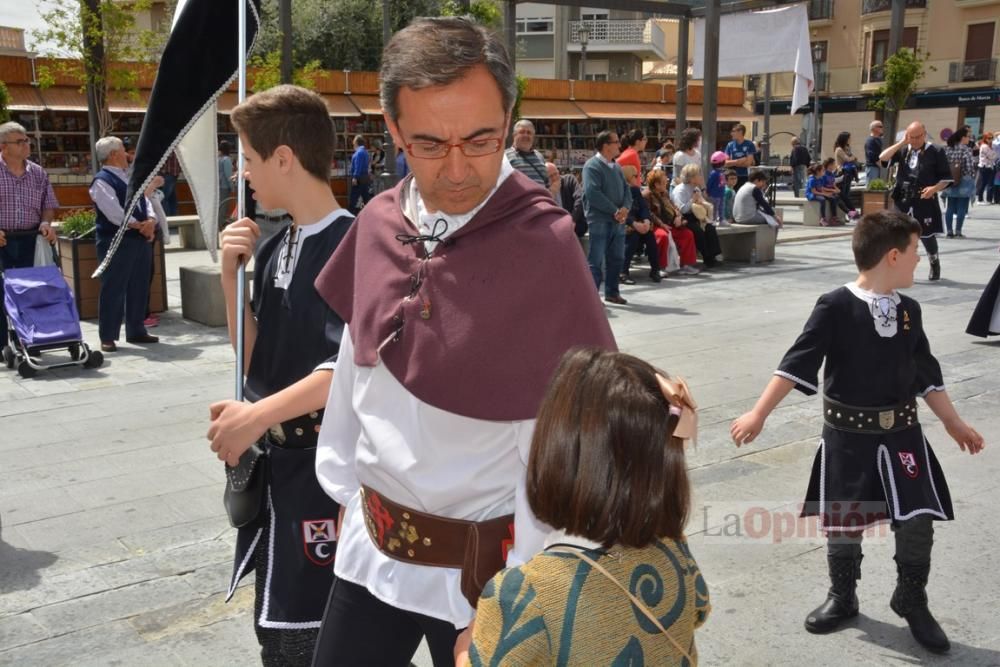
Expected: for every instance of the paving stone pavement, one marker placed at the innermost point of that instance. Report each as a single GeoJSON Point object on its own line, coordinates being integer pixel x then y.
{"type": "Point", "coordinates": [114, 548]}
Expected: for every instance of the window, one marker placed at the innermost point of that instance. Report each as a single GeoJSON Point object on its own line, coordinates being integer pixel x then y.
{"type": "Point", "coordinates": [535, 25]}
{"type": "Point", "coordinates": [877, 48]}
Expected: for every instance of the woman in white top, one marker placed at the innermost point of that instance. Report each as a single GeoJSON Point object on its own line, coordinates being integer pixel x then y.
{"type": "Point", "coordinates": [687, 150]}
{"type": "Point", "coordinates": [987, 170]}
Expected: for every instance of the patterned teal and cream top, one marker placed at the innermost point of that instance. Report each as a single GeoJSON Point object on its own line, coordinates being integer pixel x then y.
{"type": "Point", "coordinates": [558, 610]}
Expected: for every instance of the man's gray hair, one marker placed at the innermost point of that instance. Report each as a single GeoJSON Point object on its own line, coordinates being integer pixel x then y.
{"type": "Point", "coordinates": [875, 123]}
{"type": "Point", "coordinates": [524, 122]}
{"type": "Point", "coordinates": [105, 146]}
{"type": "Point", "coordinates": [11, 127]}
{"type": "Point", "coordinates": [438, 52]}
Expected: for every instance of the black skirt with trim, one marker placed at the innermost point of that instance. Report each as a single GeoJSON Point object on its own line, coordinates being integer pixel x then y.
{"type": "Point", "coordinates": [860, 479]}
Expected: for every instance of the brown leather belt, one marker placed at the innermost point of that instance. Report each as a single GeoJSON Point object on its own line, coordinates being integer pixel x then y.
{"type": "Point", "coordinates": [478, 548]}
{"type": "Point", "coordinates": [888, 419]}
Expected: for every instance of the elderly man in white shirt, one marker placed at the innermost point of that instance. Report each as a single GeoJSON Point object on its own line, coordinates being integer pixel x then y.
{"type": "Point", "coordinates": [125, 282]}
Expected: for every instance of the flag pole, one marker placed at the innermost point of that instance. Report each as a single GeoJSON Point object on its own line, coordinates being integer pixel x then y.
{"type": "Point", "coordinates": [241, 272]}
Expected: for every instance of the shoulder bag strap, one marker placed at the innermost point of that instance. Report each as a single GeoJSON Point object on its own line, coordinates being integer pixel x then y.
{"type": "Point", "coordinates": [636, 601]}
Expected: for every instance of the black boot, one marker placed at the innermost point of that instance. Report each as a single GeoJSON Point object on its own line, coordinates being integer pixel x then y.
{"type": "Point", "coordinates": [910, 601]}
{"type": "Point", "coordinates": [935, 268]}
{"type": "Point", "coordinates": [842, 600]}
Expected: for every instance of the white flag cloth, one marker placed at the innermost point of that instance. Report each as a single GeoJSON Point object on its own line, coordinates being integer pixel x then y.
{"type": "Point", "coordinates": [770, 41]}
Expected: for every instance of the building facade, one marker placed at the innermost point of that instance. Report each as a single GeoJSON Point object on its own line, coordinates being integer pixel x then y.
{"type": "Point", "coordinates": [960, 83]}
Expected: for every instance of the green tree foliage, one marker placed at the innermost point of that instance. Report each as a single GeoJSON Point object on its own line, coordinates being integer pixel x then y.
{"type": "Point", "coordinates": [4, 103]}
{"type": "Point", "coordinates": [267, 72]}
{"type": "Point", "coordinates": [91, 35]}
{"type": "Point", "coordinates": [347, 34]}
{"type": "Point", "coordinates": [903, 71]}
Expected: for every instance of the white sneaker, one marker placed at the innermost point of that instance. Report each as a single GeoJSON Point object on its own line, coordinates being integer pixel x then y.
{"type": "Point", "coordinates": [689, 270]}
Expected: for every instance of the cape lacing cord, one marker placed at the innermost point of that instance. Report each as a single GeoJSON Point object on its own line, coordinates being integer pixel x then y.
{"type": "Point", "coordinates": [435, 235]}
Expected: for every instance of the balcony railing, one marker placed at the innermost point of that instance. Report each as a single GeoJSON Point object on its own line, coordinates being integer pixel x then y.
{"type": "Point", "coordinates": [820, 10]}
{"type": "Point", "coordinates": [872, 6]}
{"type": "Point", "coordinates": [875, 74]}
{"type": "Point", "coordinates": [617, 32]}
{"type": "Point", "coordinates": [973, 70]}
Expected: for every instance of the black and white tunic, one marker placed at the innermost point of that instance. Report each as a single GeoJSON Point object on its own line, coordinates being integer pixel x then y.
{"type": "Point", "coordinates": [293, 543]}
{"type": "Point", "coordinates": [877, 356]}
{"type": "Point", "coordinates": [985, 319]}
{"type": "Point", "coordinates": [924, 167]}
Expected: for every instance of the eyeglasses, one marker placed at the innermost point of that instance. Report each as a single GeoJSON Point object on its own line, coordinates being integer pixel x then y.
{"type": "Point", "coordinates": [19, 142]}
{"type": "Point", "coordinates": [435, 150]}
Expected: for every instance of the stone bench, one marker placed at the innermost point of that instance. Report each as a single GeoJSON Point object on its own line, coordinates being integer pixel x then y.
{"type": "Point", "coordinates": [189, 228]}
{"type": "Point", "coordinates": [810, 214]}
{"type": "Point", "coordinates": [738, 242]}
{"type": "Point", "coordinates": [202, 299]}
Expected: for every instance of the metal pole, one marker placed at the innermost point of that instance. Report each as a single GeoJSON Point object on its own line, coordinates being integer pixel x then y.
{"type": "Point", "coordinates": [815, 126]}
{"type": "Point", "coordinates": [765, 148]}
{"type": "Point", "coordinates": [509, 28]}
{"type": "Point", "coordinates": [898, 20]}
{"type": "Point", "coordinates": [710, 90]}
{"type": "Point", "coordinates": [388, 175]}
{"type": "Point", "coordinates": [285, 20]}
{"type": "Point", "coordinates": [241, 273]}
{"type": "Point", "coordinates": [683, 26]}
{"type": "Point", "coordinates": [583, 62]}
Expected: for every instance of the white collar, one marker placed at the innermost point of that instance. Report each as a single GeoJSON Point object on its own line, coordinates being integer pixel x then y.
{"type": "Point", "coordinates": [305, 231]}
{"type": "Point", "coordinates": [610, 163]}
{"type": "Point", "coordinates": [868, 296]}
{"type": "Point", "coordinates": [425, 220]}
{"type": "Point", "coordinates": [288, 254]}
{"type": "Point", "coordinates": [562, 537]}
{"type": "Point", "coordinates": [117, 171]}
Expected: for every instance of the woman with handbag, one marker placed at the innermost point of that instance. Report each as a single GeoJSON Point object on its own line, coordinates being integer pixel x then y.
{"type": "Point", "coordinates": [847, 166]}
{"type": "Point", "coordinates": [607, 471]}
{"type": "Point", "coordinates": [963, 168]}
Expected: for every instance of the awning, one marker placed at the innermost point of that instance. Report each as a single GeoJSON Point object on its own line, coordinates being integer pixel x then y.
{"type": "Point", "coordinates": [626, 110]}
{"type": "Point", "coordinates": [370, 105]}
{"type": "Point", "coordinates": [226, 102]}
{"type": "Point", "coordinates": [340, 106]}
{"type": "Point", "coordinates": [64, 98]}
{"type": "Point", "coordinates": [551, 110]}
{"type": "Point", "coordinates": [24, 98]}
{"type": "Point", "coordinates": [120, 102]}
{"type": "Point", "coordinates": [724, 113]}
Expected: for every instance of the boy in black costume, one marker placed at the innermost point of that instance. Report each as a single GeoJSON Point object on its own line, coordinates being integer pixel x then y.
{"type": "Point", "coordinates": [292, 341]}
{"type": "Point", "coordinates": [874, 463]}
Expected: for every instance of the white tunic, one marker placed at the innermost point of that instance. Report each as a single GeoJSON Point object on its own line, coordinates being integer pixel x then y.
{"type": "Point", "coordinates": [375, 432]}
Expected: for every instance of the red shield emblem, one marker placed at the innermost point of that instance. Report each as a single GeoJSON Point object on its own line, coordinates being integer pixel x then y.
{"type": "Point", "coordinates": [320, 540]}
{"type": "Point", "coordinates": [909, 462]}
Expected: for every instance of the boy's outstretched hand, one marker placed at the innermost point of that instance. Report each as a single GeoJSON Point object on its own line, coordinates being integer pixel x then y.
{"type": "Point", "coordinates": [968, 438]}
{"type": "Point", "coordinates": [747, 427]}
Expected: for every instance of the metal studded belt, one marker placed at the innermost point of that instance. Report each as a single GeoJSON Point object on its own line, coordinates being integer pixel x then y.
{"type": "Point", "coordinates": [870, 420]}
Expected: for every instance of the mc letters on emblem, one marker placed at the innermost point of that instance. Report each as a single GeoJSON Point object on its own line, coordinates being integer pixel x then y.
{"type": "Point", "coordinates": [320, 540]}
{"type": "Point", "coordinates": [886, 419]}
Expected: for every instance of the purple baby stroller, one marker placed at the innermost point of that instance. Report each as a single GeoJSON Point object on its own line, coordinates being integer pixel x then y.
{"type": "Point", "coordinates": [41, 316]}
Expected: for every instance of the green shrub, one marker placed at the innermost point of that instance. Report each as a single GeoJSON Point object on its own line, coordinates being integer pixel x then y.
{"type": "Point", "coordinates": [877, 185]}
{"type": "Point", "coordinates": [79, 224]}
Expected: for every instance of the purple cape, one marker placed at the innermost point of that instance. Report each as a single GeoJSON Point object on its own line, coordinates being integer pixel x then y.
{"type": "Point", "coordinates": [507, 295]}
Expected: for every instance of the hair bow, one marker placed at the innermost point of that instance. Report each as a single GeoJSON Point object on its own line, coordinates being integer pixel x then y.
{"type": "Point", "coordinates": [683, 405]}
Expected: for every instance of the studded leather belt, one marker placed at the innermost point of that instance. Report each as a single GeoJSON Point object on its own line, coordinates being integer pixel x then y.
{"type": "Point", "coordinates": [478, 548]}
{"type": "Point", "coordinates": [870, 420]}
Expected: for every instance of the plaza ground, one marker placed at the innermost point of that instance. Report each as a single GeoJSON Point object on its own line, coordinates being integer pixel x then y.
{"type": "Point", "coordinates": [115, 548]}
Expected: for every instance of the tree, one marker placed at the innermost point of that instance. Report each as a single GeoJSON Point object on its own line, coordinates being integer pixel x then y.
{"type": "Point", "coordinates": [903, 71]}
{"type": "Point", "coordinates": [4, 103]}
{"type": "Point", "coordinates": [267, 72]}
{"type": "Point", "coordinates": [95, 40]}
{"type": "Point", "coordinates": [486, 12]}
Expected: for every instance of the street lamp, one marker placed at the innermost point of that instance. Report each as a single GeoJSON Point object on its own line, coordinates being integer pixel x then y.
{"type": "Point", "coordinates": [583, 34]}
{"type": "Point", "coordinates": [817, 53]}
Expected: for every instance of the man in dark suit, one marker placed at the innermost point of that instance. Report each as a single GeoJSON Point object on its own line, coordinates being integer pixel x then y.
{"type": "Point", "coordinates": [568, 193]}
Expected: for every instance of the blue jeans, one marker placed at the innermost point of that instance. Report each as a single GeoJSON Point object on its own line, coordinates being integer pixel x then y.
{"type": "Point", "coordinates": [872, 172]}
{"type": "Point", "coordinates": [607, 249]}
{"type": "Point", "coordinates": [124, 287]}
{"type": "Point", "coordinates": [169, 190]}
{"type": "Point", "coordinates": [957, 206]}
{"type": "Point", "coordinates": [798, 178]}
{"type": "Point", "coordinates": [19, 253]}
